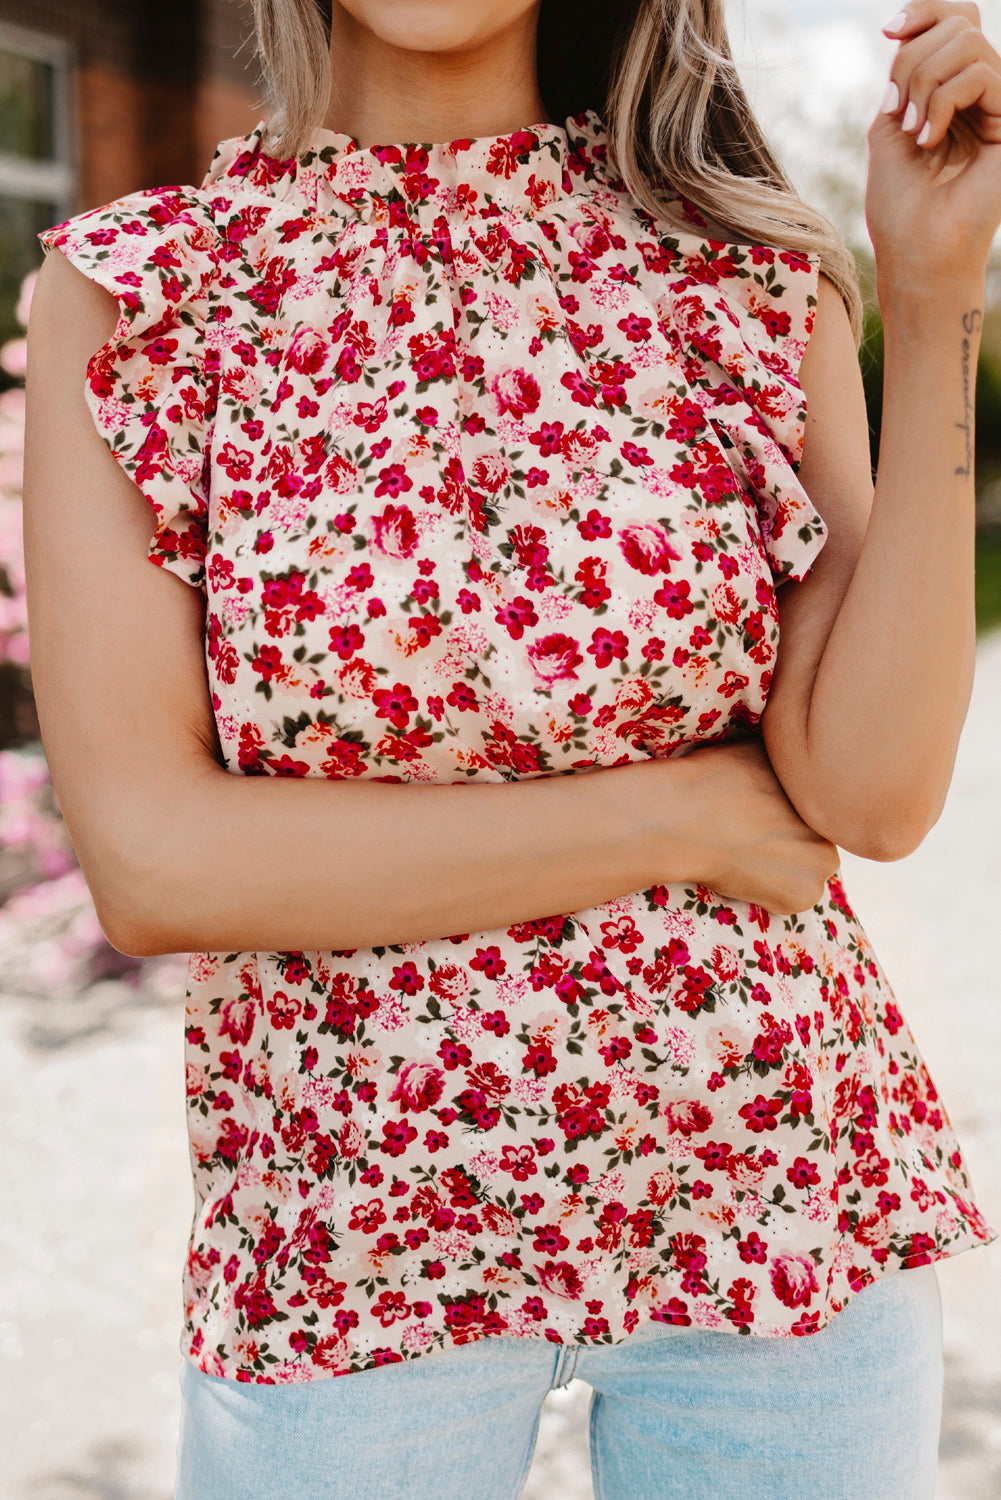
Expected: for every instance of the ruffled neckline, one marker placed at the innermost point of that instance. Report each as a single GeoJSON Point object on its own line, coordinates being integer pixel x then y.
{"type": "Point", "coordinates": [523, 170]}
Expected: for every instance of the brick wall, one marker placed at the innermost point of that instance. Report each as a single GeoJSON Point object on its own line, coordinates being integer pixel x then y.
{"type": "Point", "coordinates": [155, 88]}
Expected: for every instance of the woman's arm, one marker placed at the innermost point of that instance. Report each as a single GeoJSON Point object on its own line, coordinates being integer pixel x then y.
{"type": "Point", "coordinates": [181, 855]}
{"type": "Point", "coordinates": [876, 660]}
{"type": "Point", "coordinates": [875, 663]}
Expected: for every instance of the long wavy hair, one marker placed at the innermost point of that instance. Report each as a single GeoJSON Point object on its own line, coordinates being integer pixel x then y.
{"type": "Point", "coordinates": [660, 74]}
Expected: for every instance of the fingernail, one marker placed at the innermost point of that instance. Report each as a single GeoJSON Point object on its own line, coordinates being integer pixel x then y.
{"type": "Point", "coordinates": [892, 100]}
{"type": "Point", "coordinates": [925, 133]}
{"type": "Point", "coordinates": [897, 24]}
{"type": "Point", "coordinates": [910, 117]}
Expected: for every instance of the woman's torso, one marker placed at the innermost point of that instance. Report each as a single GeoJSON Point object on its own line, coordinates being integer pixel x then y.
{"type": "Point", "coordinates": [500, 480]}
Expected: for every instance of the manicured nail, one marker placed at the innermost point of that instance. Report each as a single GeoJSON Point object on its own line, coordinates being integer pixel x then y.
{"type": "Point", "coordinates": [910, 117]}
{"type": "Point", "coordinates": [925, 133]}
{"type": "Point", "coordinates": [891, 102]}
{"type": "Point", "coordinates": [897, 24]}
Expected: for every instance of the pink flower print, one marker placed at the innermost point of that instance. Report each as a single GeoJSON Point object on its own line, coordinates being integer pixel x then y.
{"type": "Point", "coordinates": [548, 439]}
{"type": "Point", "coordinates": [489, 962]}
{"type": "Point", "coordinates": [450, 982]}
{"type": "Point", "coordinates": [308, 352]}
{"type": "Point", "coordinates": [745, 1171]}
{"type": "Point", "coordinates": [345, 640]}
{"type": "Point", "coordinates": [872, 1229]}
{"type": "Point", "coordinates": [350, 1139]}
{"type": "Point", "coordinates": [595, 239]}
{"type": "Point", "coordinates": [516, 392]}
{"type": "Point", "coordinates": [733, 683]}
{"type": "Point", "coordinates": [200, 1269]}
{"type": "Point", "coordinates": [622, 933]}
{"type": "Point", "coordinates": [753, 1249]}
{"type": "Point", "coordinates": [489, 472]}
{"type": "Point", "coordinates": [674, 1311]}
{"type": "Point", "coordinates": [407, 978]}
{"type": "Point", "coordinates": [635, 455]}
{"type": "Point", "coordinates": [516, 616]}
{"type": "Point", "coordinates": [393, 480]}
{"type": "Point", "coordinates": [594, 525]}
{"type": "Point", "coordinates": [675, 598]}
{"type": "Point", "coordinates": [687, 420]}
{"type": "Point", "coordinates": [661, 1188]}
{"type": "Point", "coordinates": [419, 1085]}
{"type": "Point", "coordinates": [283, 1010]}
{"type": "Point", "coordinates": [763, 1114]}
{"type": "Point", "coordinates": [580, 448]}
{"type": "Point", "coordinates": [357, 678]}
{"type": "Point", "coordinates": [397, 1137]}
{"type": "Point", "coordinates": [778, 323]}
{"type": "Point", "coordinates": [608, 646]}
{"type": "Point", "coordinates": [795, 260]}
{"type": "Point", "coordinates": [235, 462]}
{"type": "Point", "coordinates": [389, 1306]}
{"type": "Point", "coordinates": [489, 1079]}
{"type": "Point", "coordinates": [519, 1161]}
{"type": "Point", "coordinates": [646, 547]}
{"type": "Point", "coordinates": [549, 1237]}
{"type": "Point", "coordinates": [872, 1169]}
{"type": "Point", "coordinates": [633, 696]}
{"type": "Point", "coordinates": [463, 697]}
{"type": "Point", "coordinates": [725, 604]}
{"type": "Point", "coordinates": [560, 1278]}
{"type": "Point", "coordinates": [195, 1078]}
{"type": "Point", "coordinates": [341, 474]}
{"type": "Point", "coordinates": [892, 1019]}
{"type": "Point", "coordinates": [793, 1279]}
{"type": "Point", "coordinates": [726, 963]}
{"type": "Point", "coordinates": [803, 1173]}
{"type": "Point", "coordinates": [395, 531]}
{"type": "Point", "coordinates": [554, 658]}
{"type": "Point", "coordinates": [395, 704]}
{"type": "Point", "coordinates": [160, 351]}
{"type": "Point", "coordinates": [237, 1019]}
{"type": "Point", "coordinates": [331, 1352]}
{"type": "Point", "coordinates": [918, 1250]}
{"type": "Point", "coordinates": [687, 1117]}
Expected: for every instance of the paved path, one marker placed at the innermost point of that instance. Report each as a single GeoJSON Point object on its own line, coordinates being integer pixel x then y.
{"type": "Point", "coordinates": [97, 1197]}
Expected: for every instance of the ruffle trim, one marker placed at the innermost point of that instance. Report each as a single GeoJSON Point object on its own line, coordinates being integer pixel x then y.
{"type": "Point", "coordinates": [741, 340]}
{"type": "Point", "coordinates": [152, 387]}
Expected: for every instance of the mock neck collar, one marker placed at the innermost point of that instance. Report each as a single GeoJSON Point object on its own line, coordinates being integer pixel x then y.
{"type": "Point", "coordinates": [522, 170]}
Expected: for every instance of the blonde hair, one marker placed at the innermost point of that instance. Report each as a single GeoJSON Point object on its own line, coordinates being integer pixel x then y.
{"type": "Point", "coordinates": [679, 124]}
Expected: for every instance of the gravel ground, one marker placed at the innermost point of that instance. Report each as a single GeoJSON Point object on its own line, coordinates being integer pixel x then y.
{"type": "Point", "coordinates": [98, 1197]}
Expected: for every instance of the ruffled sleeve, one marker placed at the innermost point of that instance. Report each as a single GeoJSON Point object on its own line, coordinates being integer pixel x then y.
{"type": "Point", "coordinates": [742, 317]}
{"type": "Point", "coordinates": [152, 387]}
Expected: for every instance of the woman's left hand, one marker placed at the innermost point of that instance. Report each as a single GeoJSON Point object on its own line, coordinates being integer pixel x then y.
{"type": "Point", "coordinates": [933, 199]}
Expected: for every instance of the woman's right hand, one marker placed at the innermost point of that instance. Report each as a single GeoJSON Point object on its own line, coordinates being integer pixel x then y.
{"type": "Point", "coordinates": [748, 842]}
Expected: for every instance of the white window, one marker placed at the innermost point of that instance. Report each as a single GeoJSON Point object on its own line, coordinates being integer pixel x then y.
{"type": "Point", "coordinates": [37, 168]}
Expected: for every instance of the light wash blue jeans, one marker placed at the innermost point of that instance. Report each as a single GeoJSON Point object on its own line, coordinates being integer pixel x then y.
{"type": "Point", "coordinates": [850, 1413]}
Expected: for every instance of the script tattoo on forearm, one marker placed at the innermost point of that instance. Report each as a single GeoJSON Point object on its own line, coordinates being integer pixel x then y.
{"type": "Point", "coordinates": [971, 325]}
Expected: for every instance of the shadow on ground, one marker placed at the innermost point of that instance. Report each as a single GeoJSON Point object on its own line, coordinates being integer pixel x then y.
{"type": "Point", "coordinates": [113, 1469]}
{"type": "Point", "coordinates": [969, 1454]}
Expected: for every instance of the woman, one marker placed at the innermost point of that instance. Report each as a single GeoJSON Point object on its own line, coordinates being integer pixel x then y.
{"type": "Point", "coordinates": [483, 464]}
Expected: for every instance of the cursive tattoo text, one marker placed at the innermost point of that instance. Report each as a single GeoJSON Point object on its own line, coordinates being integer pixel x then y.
{"type": "Point", "coordinates": [971, 325]}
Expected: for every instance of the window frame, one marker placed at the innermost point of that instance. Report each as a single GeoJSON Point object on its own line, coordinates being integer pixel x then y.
{"type": "Point", "coordinates": [54, 181]}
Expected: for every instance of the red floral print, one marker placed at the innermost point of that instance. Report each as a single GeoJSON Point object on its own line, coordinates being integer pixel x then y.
{"type": "Point", "coordinates": [485, 473]}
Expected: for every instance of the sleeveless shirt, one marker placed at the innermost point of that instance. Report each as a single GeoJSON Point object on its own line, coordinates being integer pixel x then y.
{"type": "Point", "coordinates": [486, 473]}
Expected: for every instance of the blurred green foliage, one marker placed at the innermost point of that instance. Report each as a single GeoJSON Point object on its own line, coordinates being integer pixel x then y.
{"type": "Point", "coordinates": [988, 441]}
{"type": "Point", "coordinates": [988, 580]}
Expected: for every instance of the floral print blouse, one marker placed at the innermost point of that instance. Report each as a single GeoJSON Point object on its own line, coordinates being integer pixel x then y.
{"type": "Point", "coordinates": [486, 473]}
